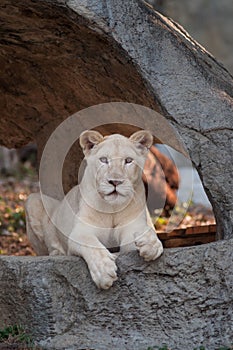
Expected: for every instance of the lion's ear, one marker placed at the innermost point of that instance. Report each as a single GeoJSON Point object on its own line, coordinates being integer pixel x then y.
{"type": "Point", "coordinates": [88, 139]}
{"type": "Point", "coordinates": [143, 137]}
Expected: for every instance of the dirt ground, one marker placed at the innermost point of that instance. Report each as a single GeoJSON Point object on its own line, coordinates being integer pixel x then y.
{"type": "Point", "coordinates": [13, 194]}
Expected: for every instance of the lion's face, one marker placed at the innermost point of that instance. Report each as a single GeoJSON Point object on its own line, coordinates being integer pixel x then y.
{"type": "Point", "coordinates": [115, 163]}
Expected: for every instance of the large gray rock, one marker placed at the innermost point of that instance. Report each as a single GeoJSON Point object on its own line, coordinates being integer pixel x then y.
{"type": "Point", "coordinates": [184, 299]}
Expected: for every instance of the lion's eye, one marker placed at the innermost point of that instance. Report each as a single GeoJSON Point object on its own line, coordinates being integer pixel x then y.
{"type": "Point", "coordinates": [128, 160]}
{"type": "Point", "coordinates": [104, 160]}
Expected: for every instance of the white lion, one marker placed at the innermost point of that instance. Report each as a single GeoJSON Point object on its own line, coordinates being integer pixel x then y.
{"type": "Point", "coordinates": [106, 210]}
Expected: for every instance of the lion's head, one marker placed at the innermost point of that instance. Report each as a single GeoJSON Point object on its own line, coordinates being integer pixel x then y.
{"type": "Point", "coordinates": [115, 163]}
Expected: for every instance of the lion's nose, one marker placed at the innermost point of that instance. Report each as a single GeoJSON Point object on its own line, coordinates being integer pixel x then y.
{"type": "Point", "coordinates": [115, 182]}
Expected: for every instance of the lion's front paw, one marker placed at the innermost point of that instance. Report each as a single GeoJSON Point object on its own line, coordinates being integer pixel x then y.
{"type": "Point", "coordinates": [149, 246]}
{"type": "Point", "coordinates": [103, 268]}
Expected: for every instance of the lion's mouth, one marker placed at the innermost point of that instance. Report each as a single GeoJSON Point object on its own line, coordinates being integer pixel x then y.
{"type": "Point", "coordinates": [113, 193]}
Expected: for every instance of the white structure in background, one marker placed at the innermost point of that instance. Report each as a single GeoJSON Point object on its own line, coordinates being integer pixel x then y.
{"type": "Point", "coordinates": [9, 160]}
{"type": "Point", "coordinates": [190, 184]}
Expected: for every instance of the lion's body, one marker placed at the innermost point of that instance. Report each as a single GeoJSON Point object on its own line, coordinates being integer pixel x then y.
{"type": "Point", "coordinates": [106, 210]}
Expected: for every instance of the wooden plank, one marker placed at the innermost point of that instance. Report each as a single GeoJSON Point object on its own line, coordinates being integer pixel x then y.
{"type": "Point", "coordinates": [180, 232]}
{"type": "Point", "coordinates": [197, 229]}
{"type": "Point", "coordinates": [193, 235]}
{"type": "Point", "coordinates": [213, 228]}
{"type": "Point", "coordinates": [189, 241]}
{"type": "Point", "coordinates": [188, 230]}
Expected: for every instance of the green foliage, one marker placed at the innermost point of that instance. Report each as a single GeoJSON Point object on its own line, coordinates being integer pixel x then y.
{"type": "Point", "coordinates": [12, 217]}
{"type": "Point", "coordinates": [180, 211]}
{"type": "Point", "coordinates": [15, 334]}
{"type": "Point", "coordinates": [26, 170]}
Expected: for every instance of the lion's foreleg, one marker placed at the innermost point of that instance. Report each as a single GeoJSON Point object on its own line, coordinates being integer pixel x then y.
{"type": "Point", "coordinates": [148, 244]}
{"type": "Point", "coordinates": [141, 236]}
{"type": "Point", "coordinates": [83, 241]}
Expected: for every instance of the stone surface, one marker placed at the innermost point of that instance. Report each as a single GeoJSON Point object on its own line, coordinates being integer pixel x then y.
{"type": "Point", "coordinates": [184, 299]}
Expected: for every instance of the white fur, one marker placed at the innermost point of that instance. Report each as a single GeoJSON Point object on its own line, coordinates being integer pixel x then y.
{"type": "Point", "coordinates": [106, 210]}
